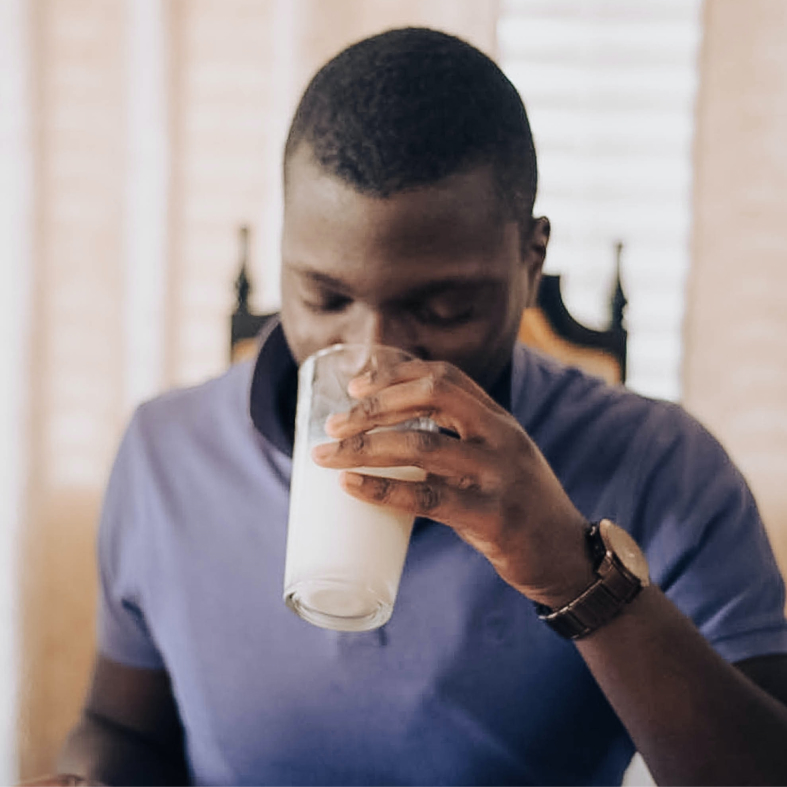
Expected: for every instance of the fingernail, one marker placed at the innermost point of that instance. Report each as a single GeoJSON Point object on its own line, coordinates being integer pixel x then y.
{"type": "Point", "coordinates": [335, 421]}
{"type": "Point", "coordinates": [360, 382]}
{"type": "Point", "coordinates": [352, 480]}
{"type": "Point", "coordinates": [322, 451]}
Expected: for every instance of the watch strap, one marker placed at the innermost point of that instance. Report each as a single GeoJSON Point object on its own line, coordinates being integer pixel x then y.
{"type": "Point", "coordinates": [601, 601]}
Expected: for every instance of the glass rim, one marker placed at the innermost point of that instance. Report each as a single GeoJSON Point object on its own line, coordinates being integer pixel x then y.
{"type": "Point", "coordinates": [333, 348]}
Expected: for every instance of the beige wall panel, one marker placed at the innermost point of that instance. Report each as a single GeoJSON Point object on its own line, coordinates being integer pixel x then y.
{"type": "Point", "coordinates": [735, 372]}
{"type": "Point", "coordinates": [77, 347]}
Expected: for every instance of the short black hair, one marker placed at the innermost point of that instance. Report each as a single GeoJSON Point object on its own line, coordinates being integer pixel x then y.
{"type": "Point", "coordinates": [408, 107]}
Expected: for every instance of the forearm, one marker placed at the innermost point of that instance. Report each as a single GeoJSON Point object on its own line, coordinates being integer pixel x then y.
{"type": "Point", "coordinates": [694, 718]}
{"type": "Point", "coordinates": [105, 753]}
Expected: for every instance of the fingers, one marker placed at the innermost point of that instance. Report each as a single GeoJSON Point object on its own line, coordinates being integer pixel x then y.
{"type": "Point", "coordinates": [432, 498]}
{"type": "Point", "coordinates": [436, 391]}
{"type": "Point", "coordinates": [465, 474]}
{"type": "Point", "coordinates": [438, 372]}
{"type": "Point", "coordinates": [459, 464]}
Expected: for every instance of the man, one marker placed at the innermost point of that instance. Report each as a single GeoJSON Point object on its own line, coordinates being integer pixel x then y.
{"type": "Point", "coordinates": [527, 645]}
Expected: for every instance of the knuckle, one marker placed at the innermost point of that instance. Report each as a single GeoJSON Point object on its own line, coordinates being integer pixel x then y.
{"type": "Point", "coordinates": [435, 382]}
{"type": "Point", "coordinates": [444, 369]}
{"type": "Point", "coordinates": [428, 383]}
{"type": "Point", "coordinates": [428, 497]}
{"type": "Point", "coordinates": [468, 483]}
{"type": "Point", "coordinates": [370, 406]}
{"type": "Point", "coordinates": [356, 444]}
{"type": "Point", "coordinates": [380, 488]}
{"type": "Point", "coordinates": [444, 374]}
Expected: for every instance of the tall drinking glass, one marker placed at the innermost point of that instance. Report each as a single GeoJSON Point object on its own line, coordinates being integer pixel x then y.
{"type": "Point", "coordinates": [344, 556]}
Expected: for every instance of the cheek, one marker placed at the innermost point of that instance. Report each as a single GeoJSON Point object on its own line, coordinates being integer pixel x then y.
{"type": "Point", "coordinates": [481, 351]}
{"type": "Point", "coordinates": [298, 329]}
{"type": "Point", "coordinates": [474, 349]}
{"type": "Point", "coordinates": [305, 331]}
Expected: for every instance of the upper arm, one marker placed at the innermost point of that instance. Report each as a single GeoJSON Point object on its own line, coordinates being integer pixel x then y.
{"type": "Point", "coordinates": [769, 673]}
{"type": "Point", "coordinates": [130, 731]}
{"type": "Point", "coordinates": [137, 700]}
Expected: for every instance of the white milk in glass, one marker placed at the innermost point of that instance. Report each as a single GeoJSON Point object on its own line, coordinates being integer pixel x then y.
{"type": "Point", "coordinates": [344, 556]}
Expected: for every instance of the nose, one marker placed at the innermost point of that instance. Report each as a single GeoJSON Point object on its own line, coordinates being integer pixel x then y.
{"type": "Point", "coordinates": [374, 326]}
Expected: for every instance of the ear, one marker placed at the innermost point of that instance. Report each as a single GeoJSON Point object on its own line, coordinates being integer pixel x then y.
{"type": "Point", "coordinates": [535, 237]}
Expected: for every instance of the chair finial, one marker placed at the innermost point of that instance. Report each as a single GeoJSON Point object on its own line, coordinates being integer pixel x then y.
{"type": "Point", "coordinates": [242, 283]}
{"type": "Point", "coordinates": [618, 303]}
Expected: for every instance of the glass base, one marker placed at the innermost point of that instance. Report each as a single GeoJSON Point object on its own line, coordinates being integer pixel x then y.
{"type": "Point", "coordinates": [338, 605]}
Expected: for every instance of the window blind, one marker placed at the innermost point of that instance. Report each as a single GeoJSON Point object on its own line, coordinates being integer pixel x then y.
{"type": "Point", "coordinates": [610, 87]}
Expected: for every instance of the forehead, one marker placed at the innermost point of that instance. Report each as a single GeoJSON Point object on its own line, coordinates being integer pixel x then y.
{"type": "Point", "coordinates": [454, 228]}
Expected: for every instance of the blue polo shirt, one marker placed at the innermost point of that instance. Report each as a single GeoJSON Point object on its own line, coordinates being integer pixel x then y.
{"type": "Point", "coordinates": [464, 685]}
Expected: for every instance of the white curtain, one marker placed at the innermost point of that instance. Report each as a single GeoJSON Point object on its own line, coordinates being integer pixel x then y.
{"type": "Point", "coordinates": [610, 88]}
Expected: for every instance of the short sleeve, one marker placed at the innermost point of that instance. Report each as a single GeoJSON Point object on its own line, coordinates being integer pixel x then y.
{"type": "Point", "coordinates": [706, 542]}
{"type": "Point", "coordinates": [122, 633]}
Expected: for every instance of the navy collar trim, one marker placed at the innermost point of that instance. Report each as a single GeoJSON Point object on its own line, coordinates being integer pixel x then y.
{"type": "Point", "coordinates": [274, 388]}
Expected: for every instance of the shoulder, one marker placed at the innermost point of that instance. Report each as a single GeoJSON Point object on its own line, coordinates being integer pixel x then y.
{"type": "Point", "coordinates": [552, 399]}
{"type": "Point", "coordinates": [173, 445]}
{"type": "Point", "coordinates": [183, 432]}
{"type": "Point", "coordinates": [650, 455]}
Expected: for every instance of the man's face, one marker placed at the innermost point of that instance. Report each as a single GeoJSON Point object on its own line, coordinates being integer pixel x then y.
{"type": "Point", "coordinates": [437, 270]}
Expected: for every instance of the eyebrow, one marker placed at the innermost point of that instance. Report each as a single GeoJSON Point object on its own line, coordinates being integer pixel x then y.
{"type": "Point", "coordinates": [321, 278]}
{"type": "Point", "coordinates": [431, 288]}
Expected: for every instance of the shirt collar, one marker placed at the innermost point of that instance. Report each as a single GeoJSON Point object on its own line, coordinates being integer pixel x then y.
{"type": "Point", "coordinates": [274, 388]}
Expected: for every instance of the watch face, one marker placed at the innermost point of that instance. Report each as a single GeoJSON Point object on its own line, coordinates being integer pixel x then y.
{"type": "Point", "coordinates": [625, 548]}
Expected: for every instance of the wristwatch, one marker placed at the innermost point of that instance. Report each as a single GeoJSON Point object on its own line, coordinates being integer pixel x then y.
{"type": "Point", "coordinates": [621, 571]}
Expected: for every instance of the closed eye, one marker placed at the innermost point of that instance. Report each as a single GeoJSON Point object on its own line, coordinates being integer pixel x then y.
{"type": "Point", "coordinates": [327, 303]}
{"type": "Point", "coordinates": [442, 318]}
{"type": "Point", "coordinates": [446, 309]}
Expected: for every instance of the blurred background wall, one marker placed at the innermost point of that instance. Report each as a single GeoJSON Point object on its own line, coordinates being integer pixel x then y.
{"type": "Point", "coordinates": [137, 136]}
{"type": "Point", "coordinates": [735, 334]}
